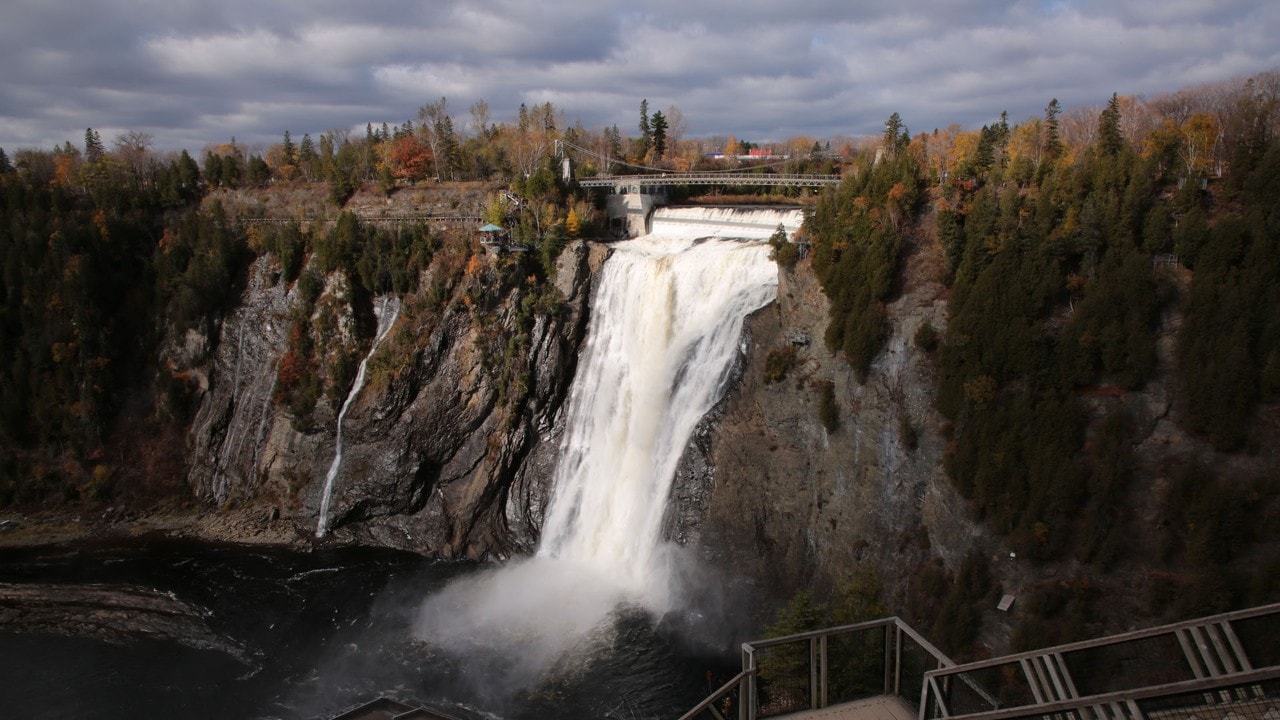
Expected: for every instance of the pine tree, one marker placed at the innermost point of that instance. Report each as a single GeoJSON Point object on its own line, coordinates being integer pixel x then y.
{"type": "Point", "coordinates": [646, 132]}
{"type": "Point", "coordinates": [288, 153]}
{"type": "Point", "coordinates": [658, 128]}
{"type": "Point", "coordinates": [1052, 135]}
{"type": "Point", "coordinates": [93, 149]}
{"type": "Point", "coordinates": [895, 136]}
{"type": "Point", "coordinates": [5, 166]}
{"type": "Point", "coordinates": [1110, 141]}
{"type": "Point", "coordinates": [307, 155]}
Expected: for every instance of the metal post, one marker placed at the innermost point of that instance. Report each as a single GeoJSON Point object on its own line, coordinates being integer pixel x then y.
{"type": "Point", "coordinates": [825, 677]}
{"type": "Point", "coordinates": [897, 660]}
{"type": "Point", "coordinates": [813, 673]}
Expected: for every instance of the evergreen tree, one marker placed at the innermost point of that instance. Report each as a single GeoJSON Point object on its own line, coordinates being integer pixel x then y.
{"type": "Point", "coordinates": [658, 128]}
{"type": "Point", "coordinates": [288, 153]}
{"type": "Point", "coordinates": [5, 166]}
{"type": "Point", "coordinates": [1052, 133]}
{"type": "Point", "coordinates": [257, 172]}
{"type": "Point", "coordinates": [1110, 141]}
{"type": "Point", "coordinates": [307, 156]}
{"type": "Point", "coordinates": [188, 176]}
{"type": "Point", "coordinates": [646, 132]}
{"type": "Point", "coordinates": [896, 137]}
{"type": "Point", "coordinates": [93, 149]}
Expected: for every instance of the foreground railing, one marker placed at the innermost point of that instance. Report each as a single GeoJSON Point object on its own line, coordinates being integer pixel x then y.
{"type": "Point", "coordinates": [1209, 668]}
{"type": "Point", "coordinates": [826, 667]}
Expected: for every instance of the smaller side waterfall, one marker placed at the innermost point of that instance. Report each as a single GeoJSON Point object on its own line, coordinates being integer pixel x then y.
{"type": "Point", "coordinates": [386, 318]}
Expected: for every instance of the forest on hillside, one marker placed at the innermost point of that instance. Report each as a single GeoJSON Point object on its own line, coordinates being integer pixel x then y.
{"type": "Point", "coordinates": [1070, 240]}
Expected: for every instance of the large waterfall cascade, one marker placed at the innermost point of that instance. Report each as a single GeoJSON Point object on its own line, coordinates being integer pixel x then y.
{"type": "Point", "coordinates": [387, 312]}
{"type": "Point", "coordinates": [665, 330]}
{"type": "Point", "coordinates": [666, 325]}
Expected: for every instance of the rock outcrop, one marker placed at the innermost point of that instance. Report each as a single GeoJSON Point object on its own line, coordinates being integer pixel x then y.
{"type": "Point", "coordinates": [771, 494]}
{"type": "Point", "coordinates": [434, 461]}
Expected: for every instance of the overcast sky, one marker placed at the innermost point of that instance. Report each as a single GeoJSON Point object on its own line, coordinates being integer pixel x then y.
{"type": "Point", "coordinates": [195, 72]}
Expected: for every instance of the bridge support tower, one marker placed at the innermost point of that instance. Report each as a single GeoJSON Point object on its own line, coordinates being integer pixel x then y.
{"type": "Point", "coordinates": [630, 213]}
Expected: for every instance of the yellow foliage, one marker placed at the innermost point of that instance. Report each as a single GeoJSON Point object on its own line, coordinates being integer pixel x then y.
{"type": "Point", "coordinates": [981, 390]}
{"type": "Point", "coordinates": [572, 223]}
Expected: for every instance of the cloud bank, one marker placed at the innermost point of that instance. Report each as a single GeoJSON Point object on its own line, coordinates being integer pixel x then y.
{"type": "Point", "coordinates": [193, 73]}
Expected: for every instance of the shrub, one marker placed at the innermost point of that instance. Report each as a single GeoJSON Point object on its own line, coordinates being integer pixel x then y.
{"type": "Point", "coordinates": [926, 337]}
{"type": "Point", "coordinates": [778, 363]}
{"type": "Point", "coordinates": [828, 409]}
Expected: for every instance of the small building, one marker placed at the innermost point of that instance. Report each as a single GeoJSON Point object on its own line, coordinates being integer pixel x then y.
{"type": "Point", "coordinates": [495, 240]}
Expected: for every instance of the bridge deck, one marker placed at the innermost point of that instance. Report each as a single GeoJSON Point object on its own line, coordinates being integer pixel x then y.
{"type": "Point", "coordinates": [881, 707]}
{"type": "Point", "coordinates": [709, 178]}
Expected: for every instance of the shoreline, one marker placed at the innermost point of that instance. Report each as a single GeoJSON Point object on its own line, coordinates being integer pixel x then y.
{"type": "Point", "coordinates": [249, 526]}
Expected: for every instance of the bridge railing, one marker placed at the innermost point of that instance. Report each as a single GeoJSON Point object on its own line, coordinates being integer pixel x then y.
{"type": "Point", "coordinates": [817, 669]}
{"type": "Point", "coordinates": [709, 178]}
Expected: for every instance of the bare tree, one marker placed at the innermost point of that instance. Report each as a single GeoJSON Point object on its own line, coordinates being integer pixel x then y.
{"type": "Point", "coordinates": [479, 124]}
{"type": "Point", "coordinates": [131, 148]}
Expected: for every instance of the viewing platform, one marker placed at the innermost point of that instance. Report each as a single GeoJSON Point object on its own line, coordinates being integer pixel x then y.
{"type": "Point", "coordinates": [1221, 667]}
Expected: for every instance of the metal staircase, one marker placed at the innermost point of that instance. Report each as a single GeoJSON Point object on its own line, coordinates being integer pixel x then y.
{"type": "Point", "coordinates": [1224, 667]}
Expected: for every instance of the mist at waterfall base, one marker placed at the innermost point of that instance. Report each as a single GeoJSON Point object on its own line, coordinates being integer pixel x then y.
{"type": "Point", "coordinates": [665, 334]}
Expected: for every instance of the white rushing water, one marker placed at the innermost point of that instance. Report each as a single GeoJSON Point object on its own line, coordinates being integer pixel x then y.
{"type": "Point", "coordinates": [665, 330]}
{"type": "Point", "coordinates": [387, 314]}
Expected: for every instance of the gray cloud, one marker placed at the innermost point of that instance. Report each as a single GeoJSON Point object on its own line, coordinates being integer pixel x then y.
{"type": "Point", "coordinates": [193, 73]}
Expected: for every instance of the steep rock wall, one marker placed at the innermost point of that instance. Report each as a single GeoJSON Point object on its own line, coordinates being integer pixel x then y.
{"type": "Point", "coordinates": [770, 494]}
{"type": "Point", "coordinates": [430, 454]}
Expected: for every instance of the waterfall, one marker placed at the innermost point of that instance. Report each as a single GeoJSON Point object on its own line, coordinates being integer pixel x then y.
{"type": "Point", "coordinates": [386, 318]}
{"type": "Point", "coordinates": [665, 330]}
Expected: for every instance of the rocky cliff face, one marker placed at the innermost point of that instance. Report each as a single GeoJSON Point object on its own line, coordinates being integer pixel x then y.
{"type": "Point", "coordinates": [444, 458]}
{"type": "Point", "coordinates": [435, 449]}
{"type": "Point", "coordinates": [771, 494]}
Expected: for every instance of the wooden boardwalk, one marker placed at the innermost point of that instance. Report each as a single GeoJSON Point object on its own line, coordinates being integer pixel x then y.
{"type": "Point", "coordinates": [881, 707]}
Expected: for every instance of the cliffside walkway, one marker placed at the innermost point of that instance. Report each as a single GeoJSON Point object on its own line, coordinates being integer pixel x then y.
{"type": "Point", "coordinates": [1222, 667]}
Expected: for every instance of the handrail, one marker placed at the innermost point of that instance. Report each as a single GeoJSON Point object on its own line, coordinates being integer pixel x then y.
{"type": "Point", "coordinates": [716, 696]}
{"type": "Point", "coordinates": [710, 178]}
{"type": "Point", "coordinates": [891, 659]}
{"type": "Point", "coordinates": [1130, 636]}
{"type": "Point", "coordinates": [1124, 696]}
{"type": "Point", "coordinates": [1236, 667]}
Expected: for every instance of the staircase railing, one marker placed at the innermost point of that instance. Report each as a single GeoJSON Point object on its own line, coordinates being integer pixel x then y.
{"type": "Point", "coordinates": [825, 667]}
{"type": "Point", "coordinates": [1232, 659]}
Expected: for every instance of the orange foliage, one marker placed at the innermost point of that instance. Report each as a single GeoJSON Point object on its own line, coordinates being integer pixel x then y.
{"type": "Point", "coordinates": [64, 169]}
{"type": "Point", "coordinates": [167, 241]}
{"type": "Point", "coordinates": [409, 158]}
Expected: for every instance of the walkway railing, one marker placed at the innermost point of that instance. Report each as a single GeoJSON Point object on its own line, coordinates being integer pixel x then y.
{"type": "Point", "coordinates": [709, 178]}
{"type": "Point", "coordinates": [1210, 668]}
{"type": "Point", "coordinates": [826, 667]}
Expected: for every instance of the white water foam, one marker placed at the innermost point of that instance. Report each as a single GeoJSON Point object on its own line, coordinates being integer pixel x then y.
{"type": "Point", "coordinates": [386, 318]}
{"type": "Point", "coordinates": [665, 329]}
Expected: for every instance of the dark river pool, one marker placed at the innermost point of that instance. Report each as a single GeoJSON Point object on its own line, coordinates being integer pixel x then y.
{"type": "Point", "coordinates": [314, 633]}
